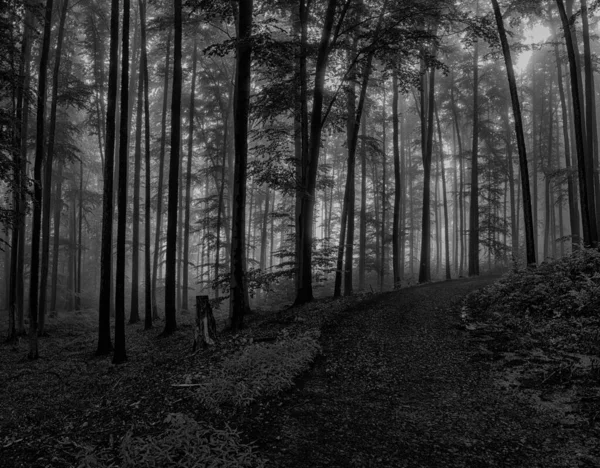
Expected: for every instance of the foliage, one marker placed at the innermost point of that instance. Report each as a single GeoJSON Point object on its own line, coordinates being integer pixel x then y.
{"type": "Point", "coordinates": [261, 369]}
{"type": "Point", "coordinates": [187, 443]}
{"type": "Point", "coordinates": [566, 287]}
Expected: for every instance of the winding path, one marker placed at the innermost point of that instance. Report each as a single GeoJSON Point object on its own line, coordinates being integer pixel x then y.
{"type": "Point", "coordinates": [398, 386]}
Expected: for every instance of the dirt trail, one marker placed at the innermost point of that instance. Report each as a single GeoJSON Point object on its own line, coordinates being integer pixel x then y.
{"type": "Point", "coordinates": [398, 386]}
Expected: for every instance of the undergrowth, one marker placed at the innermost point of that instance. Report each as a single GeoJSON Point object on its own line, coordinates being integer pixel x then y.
{"type": "Point", "coordinates": [568, 287]}
{"type": "Point", "coordinates": [261, 369]}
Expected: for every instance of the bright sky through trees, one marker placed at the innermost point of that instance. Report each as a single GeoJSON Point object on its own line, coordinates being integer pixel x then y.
{"type": "Point", "coordinates": [537, 34]}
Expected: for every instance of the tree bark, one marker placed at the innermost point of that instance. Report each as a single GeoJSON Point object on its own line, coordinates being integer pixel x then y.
{"type": "Point", "coordinates": [161, 174]}
{"type": "Point", "coordinates": [104, 339]}
{"type": "Point", "coordinates": [238, 304]}
{"type": "Point", "coordinates": [574, 220]}
{"type": "Point", "coordinates": [512, 84]}
{"type": "Point", "coordinates": [474, 205]}
{"type": "Point", "coordinates": [47, 185]}
{"type": "Point", "coordinates": [188, 181]}
{"type": "Point", "coordinates": [310, 162]}
{"type": "Point", "coordinates": [427, 149]}
{"type": "Point", "coordinates": [120, 354]}
{"type": "Point", "coordinates": [171, 266]}
{"type": "Point", "coordinates": [397, 185]}
{"type": "Point", "coordinates": [444, 199]}
{"type": "Point", "coordinates": [148, 290]}
{"type": "Point", "coordinates": [588, 226]}
{"type": "Point", "coordinates": [593, 182]}
{"type": "Point", "coordinates": [37, 190]}
{"type": "Point", "coordinates": [134, 311]}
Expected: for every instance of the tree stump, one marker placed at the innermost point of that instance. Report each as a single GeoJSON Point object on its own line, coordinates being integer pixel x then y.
{"type": "Point", "coordinates": [205, 331]}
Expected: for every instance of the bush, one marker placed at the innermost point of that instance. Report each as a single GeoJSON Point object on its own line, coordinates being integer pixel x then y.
{"type": "Point", "coordinates": [569, 286]}
{"type": "Point", "coordinates": [259, 370]}
{"type": "Point", "coordinates": [186, 443]}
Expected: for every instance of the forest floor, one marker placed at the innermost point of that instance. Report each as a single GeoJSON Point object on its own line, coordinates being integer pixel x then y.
{"type": "Point", "coordinates": [402, 381]}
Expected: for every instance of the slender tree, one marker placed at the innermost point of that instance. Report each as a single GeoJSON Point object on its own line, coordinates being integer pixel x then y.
{"type": "Point", "coordinates": [514, 96]}
{"type": "Point", "coordinates": [588, 226]}
{"type": "Point", "coordinates": [37, 190]}
{"type": "Point", "coordinates": [104, 339]}
{"type": "Point", "coordinates": [120, 355]}
{"type": "Point", "coordinates": [171, 266]}
{"type": "Point", "coordinates": [188, 180]}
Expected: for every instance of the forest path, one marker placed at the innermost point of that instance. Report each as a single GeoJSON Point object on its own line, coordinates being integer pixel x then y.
{"type": "Point", "coordinates": [399, 385]}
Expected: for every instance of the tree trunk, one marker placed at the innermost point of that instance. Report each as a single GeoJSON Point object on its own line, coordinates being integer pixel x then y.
{"type": "Point", "coordinates": [120, 355]}
{"type": "Point", "coordinates": [171, 266]}
{"type": "Point", "coordinates": [37, 191]}
{"type": "Point", "coordinates": [134, 312]}
{"type": "Point", "coordinates": [310, 162]}
{"type": "Point", "coordinates": [588, 226]}
{"type": "Point", "coordinates": [15, 296]}
{"type": "Point", "coordinates": [148, 290]}
{"type": "Point", "coordinates": [512, 84]}
{"type": "Point", "coordinates": [188, 181]}
{"type": "Point", "coordinates": [238, 304]}
{"type": "Point", "coordinates": [397, 185]}
{"type": "Point", "coordinates": [426, 149]}
{"type": "Point", "coordinates": [348, 204]}
{"type": "Point", "coordinates": [593, 182]}
{"type": "Point", "coordinates": [474, 205]}
{"type": "Point", "coordinates": [573, 208]}
{"type": "Point", "coordinates": [104, 340]}
{"type": "Point", "coordinates": [444, 199]}
{"type": "Point", "coordinates": [47, 185]}
{"type": "Point", "coordinates": [161, 174]}
{"type": "Point", "coordinates": [79, 239]}
{"type": "Point", "coordinates": [362, 249]}
{"type": "Point", "coordinates": [56, 240]}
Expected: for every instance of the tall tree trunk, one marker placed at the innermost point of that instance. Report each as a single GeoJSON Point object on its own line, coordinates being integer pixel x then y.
{"type": "Point", "coordinates": [170, 270]}
{"type": "Point", "coordinates": [56, 240]}
{"type": "Point", "coordinates": [512, 84]}
{"type": "Point", "coordinates": [79, 239]}
{"type": "Point", "coordinates": [134, 312]}
{"type": "Point", "coordinates": [265, 230]}
{"type": "Point", "coordinates": [188, 181]}
{"type": "Point", "coordinates": [104, 340]}
{"type": "Point", "coordinates": [474, 205]}
{"type": "Point", "coordinates": [310, 162]}
{"type": "Point", "coordinates": [47, 185]}
{"type": "Point", "coordinates": [383, 193]}
{"type": "Point", "coordinates": [348, 205]}
{"type": "Point", "coordinates": [397, 185]}
{"type": "Point", "coordinates": [15, 296]}
{"type": "Point", "coordinates": [593, 182]}
{"type": "Point", "coordinates": [444, 198]}
{"type": "Point", "coordinates": [426, 149]}
{"type": "Point", "coordinates": [589, 236]}
{"type": "Point", "coordinates": [161, 174]}
{"type": "Point", "coordinates": [362, 243]}
{"type": "Point", "coordinates": [573, 208]}
{"type": "Point", "coordinates": [37, 191]}
{"type": "Point", "coordinates": [238, 304]}
{"type": "Point", "coordinates": [148, 294]}
{"type": "Point", "coordinates": [120, 355]}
